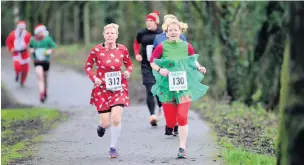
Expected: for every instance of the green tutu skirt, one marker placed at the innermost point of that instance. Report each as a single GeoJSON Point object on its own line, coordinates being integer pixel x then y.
{"type": "Point", "coordinates": [195, 89]}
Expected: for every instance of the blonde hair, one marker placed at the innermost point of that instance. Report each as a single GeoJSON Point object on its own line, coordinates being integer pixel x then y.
{"type": "Point", "coordinates": [111, 25]}
{"type": "Point", "coordinates": [171, 16]}
{"type": "Point", "coordinates": [183, 26]}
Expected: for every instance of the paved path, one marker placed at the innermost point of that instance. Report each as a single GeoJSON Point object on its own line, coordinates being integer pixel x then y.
{"type": "Point", "coordinates": [75, 141]}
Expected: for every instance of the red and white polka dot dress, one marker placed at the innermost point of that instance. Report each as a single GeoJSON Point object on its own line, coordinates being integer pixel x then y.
{"type": "Point", "coordinates": [108, 61]}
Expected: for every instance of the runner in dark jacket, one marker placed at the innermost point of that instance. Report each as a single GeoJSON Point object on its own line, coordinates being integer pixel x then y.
{"type": "Point", "coordinates": [144, 42]}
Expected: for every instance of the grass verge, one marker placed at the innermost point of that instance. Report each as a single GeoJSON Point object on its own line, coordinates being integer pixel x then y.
{"type": "Point", "coordinates": [73, 55]}
{"type": "Point", "coordinates": [240, 156]}
{"type": "Point", "coordinates": [246, 134]}
{"type": "Point", "coordinates": [21, 128]}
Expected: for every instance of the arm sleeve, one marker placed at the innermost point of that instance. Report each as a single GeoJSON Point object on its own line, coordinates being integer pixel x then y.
{"type": "Point", "coordinates": [127, 60]}
{"type": "Point", "coordinates": [89, 64]}
{"type": "Point", "coordinates": [136, 43]}
{"type": "Point", "coordinates": [10, 41]}
{"type": "Point", "coordinates": [136, 47]}
{"type": "Point", "coordinates": [190, 49]}
{"type": "Point", "coordinates": [52, 43]}
{"type": "Point", "coordinates": [155, 43]}
{"type": "Point", "coordinates": [31, 45]}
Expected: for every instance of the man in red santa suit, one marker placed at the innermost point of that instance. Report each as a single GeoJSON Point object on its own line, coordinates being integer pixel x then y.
{"type": "Point", "coordinates": [17, 43]}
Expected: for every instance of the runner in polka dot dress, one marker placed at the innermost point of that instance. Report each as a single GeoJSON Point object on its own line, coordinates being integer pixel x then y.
{"type": "Point", "coordinates": [108, 60]}
{"type": "Point", "coordinates": [110, 92]}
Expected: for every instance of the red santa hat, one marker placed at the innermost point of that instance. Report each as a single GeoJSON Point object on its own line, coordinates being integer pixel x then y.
{"type": "Point", "coordinates": [154, 16]}
{"type": "Point", "coordinates": [40, 28]}
{"type": "Point", "coordinates": [21, 25]}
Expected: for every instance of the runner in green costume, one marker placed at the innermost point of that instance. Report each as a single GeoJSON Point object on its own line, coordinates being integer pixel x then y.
{"type": "Point", "coordinates": [175, 58]}
{"type": "Point", "coordinates": [41, 47]}
{"type": "Point", "coordinates": [178, 75]}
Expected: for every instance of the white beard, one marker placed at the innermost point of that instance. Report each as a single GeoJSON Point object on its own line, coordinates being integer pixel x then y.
{"type": "Point", "coordinates": [19, 43]}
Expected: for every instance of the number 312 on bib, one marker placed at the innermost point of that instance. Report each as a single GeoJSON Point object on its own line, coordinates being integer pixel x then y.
{"type": "Point", "coordinates": [178, 81]}
{"type": "Point", "coordinates": [113, 81]}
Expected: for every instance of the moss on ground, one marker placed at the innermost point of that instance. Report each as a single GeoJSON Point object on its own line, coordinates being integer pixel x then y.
{"type": "Point", "coordinates": [21, 127]}
{"type": "Point", "coordinates": [247, 134]}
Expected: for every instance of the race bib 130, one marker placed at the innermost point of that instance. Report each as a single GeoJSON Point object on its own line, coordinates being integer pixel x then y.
{"type": "Point", "coordinates": [178, 81]}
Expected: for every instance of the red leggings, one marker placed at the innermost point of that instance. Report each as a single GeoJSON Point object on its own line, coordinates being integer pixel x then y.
{"type": "Point", "coordinates": [21, 68]}
{"type": "Point", "coordinates": [176, 113]}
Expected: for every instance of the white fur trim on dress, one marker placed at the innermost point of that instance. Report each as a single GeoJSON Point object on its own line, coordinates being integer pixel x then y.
{"type": "Point", "coordinates": [21, 26]}
{"type": "Point", "coordinates": [19, 43]}
{"type": "Point", "coordinates": [22, 61]}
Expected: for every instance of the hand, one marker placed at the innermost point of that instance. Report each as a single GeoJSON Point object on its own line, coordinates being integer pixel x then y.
{"type": "Point", "coordinates": [31, 50]}
{"type": "Point", "coordinates": [48, 52]}
{"type": "Point", "coordinates": [138, 57]}
{"type": "Point", "coordinates": [12, 50]}
{"type": "Point", "coordinates": [163, 72]}
{"type": "Point", "coordinates": [126, 74]}
{"type": "Point", "coordinates": [97, 81]}
{"type": "Point", "coordinates": [202, 69]}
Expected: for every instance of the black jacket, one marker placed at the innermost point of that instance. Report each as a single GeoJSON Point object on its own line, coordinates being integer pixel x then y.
{"type": "Point", "coordinates": [146, 37]}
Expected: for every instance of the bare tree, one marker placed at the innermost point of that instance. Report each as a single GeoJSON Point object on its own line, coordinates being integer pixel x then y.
{"type": "Point", "coordinates": [291, 151]}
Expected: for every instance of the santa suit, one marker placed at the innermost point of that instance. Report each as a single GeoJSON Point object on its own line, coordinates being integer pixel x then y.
{"type": "Point", "coordinates": [19, 41]}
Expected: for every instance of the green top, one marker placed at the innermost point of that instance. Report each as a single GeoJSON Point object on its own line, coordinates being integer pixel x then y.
{"type": "Point", "coordinates": [175, 50]}
{"type": "Point", "coordinates": [41, 46]}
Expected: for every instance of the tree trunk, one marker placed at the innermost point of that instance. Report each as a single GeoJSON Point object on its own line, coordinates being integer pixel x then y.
{"type": "Point", "coordinates": [86, 21]}
{"type": "Point", "coordinates": [267, 30]}
{"type": "Point", "coordinates": [44, 13]}
{"type": "Point", "coordinates": [291, 151]}
{"type": "Point", "coordinates": [16, 12]}
{"type": "Point", "coordinates": [189, 20]}
{"type": "Point", "coordinates": [64, 24]}
{"type": "Point", "coordinates": [76, 23]}
{"type": "Point", "coordinates": [171, 8]}
{"type": "Point", "coordinates": [81, 23]}
{"type": "Point", "coordinates": [58, 27]}
{"type": "Point", "coordinates": [111, 14]}
{"type": "Point", "coordinates": [220, 15]}
{"type": "Point", "coordinates": [151, 6]}
{"type": "Point", "coordinates": [29, 18]}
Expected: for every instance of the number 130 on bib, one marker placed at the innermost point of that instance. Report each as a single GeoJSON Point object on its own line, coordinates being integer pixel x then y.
{"type": "Point", "coordinates": [178, 81]}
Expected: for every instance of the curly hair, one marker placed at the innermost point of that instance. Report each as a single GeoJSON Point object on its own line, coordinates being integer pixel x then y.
{"type": "Point", "coordinates": [183, 26]}
{"type": "Point", "coordinates": [171, 16]}
{"type": "Point", "coordinates": [111, 25]}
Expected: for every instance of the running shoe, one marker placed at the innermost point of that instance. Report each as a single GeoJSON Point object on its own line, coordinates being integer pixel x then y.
{"type": "Point", "coordinates": [168, 131]}
{"type": "Point", "coordinates": [181, 153]}
{"type": "Point", "coordinates": [153, 120]}
{"type": "Point", "coordinates": [113, 153]}
{"type": "Point", "coordinates": [100, 131]}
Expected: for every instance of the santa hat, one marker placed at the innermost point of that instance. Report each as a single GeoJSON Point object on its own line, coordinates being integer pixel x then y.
{"type": "Point", "coordinates": [40, 28]}
{"type": "Point", "coordinates": [154, 16]}
{"type": "Point", "coordinates": [21, 25]}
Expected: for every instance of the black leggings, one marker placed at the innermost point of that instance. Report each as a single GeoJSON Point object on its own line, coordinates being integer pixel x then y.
{"type": "Point", "coordinates": [150, 99]}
